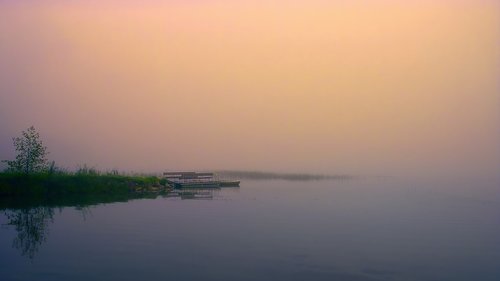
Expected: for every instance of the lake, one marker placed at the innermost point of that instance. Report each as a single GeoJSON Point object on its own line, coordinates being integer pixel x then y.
{"type": "Point", "coordinates": [362, 229]}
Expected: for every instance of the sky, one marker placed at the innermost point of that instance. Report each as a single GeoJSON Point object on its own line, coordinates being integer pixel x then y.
{"type": "Point", "coordinates": [359, 87]}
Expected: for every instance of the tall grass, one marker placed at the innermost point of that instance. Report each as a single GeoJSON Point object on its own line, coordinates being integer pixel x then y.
{"type": "Point", "coordinates": [85, 180]}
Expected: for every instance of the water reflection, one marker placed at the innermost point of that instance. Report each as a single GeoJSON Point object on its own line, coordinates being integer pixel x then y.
{"type": "Point", "coordinates": [31, 226]}
{"type": "Point", "coordinates": [279, 230]}
{"type": "Point", "coordinates": [193, 193]}
{"type": "Point", "coordinates": [31, 217]}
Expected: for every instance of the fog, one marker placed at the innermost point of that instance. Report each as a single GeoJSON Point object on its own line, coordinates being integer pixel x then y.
{"type": "Point", "coordinates": [371, 88]}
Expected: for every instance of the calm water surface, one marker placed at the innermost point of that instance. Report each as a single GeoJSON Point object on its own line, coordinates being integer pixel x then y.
{"type": "Point", "coordinates": [266, 230]}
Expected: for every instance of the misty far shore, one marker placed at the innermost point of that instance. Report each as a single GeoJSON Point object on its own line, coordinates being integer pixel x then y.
{"type": "Point", "coordinates": [260, 175]}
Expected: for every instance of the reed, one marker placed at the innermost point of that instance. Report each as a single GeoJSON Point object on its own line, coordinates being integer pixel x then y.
{"type": "Point", "coordinates": [84, 180]}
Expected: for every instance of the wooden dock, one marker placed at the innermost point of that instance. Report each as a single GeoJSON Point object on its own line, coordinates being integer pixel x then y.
{"type": "Point", "coordinates": [197, 180]}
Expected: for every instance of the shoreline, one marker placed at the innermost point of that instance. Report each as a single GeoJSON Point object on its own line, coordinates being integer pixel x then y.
{"type": "Point", "coordinates": [56, 184]}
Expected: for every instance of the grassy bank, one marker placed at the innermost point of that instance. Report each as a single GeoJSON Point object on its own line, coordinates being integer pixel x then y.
{"type": "Point", "coordinates": [65, 183]}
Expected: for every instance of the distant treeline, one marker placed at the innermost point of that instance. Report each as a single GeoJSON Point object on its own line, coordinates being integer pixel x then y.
{"type": "Point", "coordinates": [281, 176]}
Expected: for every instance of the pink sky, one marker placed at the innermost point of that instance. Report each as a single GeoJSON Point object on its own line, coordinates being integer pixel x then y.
{"type": "Point", "coordinates": [374, 87]}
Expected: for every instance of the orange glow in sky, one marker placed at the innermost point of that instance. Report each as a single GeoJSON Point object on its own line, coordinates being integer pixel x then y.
{"type": "Point", "coordinates": [371, 87]}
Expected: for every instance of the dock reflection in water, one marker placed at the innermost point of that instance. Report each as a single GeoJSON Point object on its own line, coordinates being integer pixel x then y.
{"type": "Point", "coordinates": [193, 193]}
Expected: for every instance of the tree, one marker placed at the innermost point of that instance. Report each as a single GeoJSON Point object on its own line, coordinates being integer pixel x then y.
{"type": "Point", "coordinates": [31, 153]}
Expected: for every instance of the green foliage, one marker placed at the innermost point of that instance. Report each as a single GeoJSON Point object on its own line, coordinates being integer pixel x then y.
{"type": "Point", "coordinates": [31, 153]}
{"type": "Point", "coordinates": [85, 170]}
{"type": "Point", "coordinates": [163, 182]}
{"type": "Point", "coordinates": [30, 174]}
{"type": "Point", "coordinates": [58, 182]}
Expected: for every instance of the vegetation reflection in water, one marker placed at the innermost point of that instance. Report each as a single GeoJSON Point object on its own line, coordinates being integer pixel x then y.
{"type": "Point", "coordinates": [31, 217]}
{"type": "Point", "coordinates": [31, 226]}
